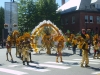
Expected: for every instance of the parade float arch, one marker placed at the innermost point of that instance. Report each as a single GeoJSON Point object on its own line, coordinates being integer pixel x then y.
{"type": "Point", "coordinates": [48, 23]}
{"type": "Point", "coordinates": [39, 28]}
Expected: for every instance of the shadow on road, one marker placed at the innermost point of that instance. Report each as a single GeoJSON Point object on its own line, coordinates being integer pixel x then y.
{"type": "Point", "coordinates": [71, 63]}
{"type": "Point", "coordinates": [12, 61]}
{"type": "Point", "coordinates": [96, 69]}
{"type": "Point", "coordinates": [63, 54]}
{"type": "Point", "coordinates": [39, 54]}
{"type": "Point", "coordinates": [1, 64]}
{"type": "Point", "coordinates": [36, 65]}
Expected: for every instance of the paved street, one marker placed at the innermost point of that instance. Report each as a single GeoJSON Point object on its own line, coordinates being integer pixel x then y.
{"type": "Point", "coordinates": [45, 64]}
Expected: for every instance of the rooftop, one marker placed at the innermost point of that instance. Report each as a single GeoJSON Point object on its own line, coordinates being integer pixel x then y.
{"type": "Point", "coordinates": [77, 5]}
{"type": "Point", "coordinates": [70, 4]}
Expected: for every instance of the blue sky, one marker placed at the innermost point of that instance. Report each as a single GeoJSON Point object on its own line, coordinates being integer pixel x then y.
{"type": "Point", "coordinates": [2, 2]}
{"type": "Point", "coordinates": [59, 2]}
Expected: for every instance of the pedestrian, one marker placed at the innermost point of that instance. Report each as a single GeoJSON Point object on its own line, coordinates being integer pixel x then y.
{"type": "Point", "coordinates": [74, 45]}
{"type": "Point", "coordinates": [68, 42]}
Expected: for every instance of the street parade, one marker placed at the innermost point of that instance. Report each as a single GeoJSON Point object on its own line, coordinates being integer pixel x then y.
{"type": "Point", "coordinates": [51, 34]}
{"type": "Point", "coordinates": [50, 37]}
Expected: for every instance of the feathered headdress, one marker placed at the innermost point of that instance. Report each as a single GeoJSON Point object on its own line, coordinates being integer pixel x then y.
{"type": "Point", "coordinates": [26, 35]}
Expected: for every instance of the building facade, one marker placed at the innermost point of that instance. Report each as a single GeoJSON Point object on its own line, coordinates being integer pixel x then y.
{"type": "Point", "coordinates": [82, 14]}
{"type": "Point", "coordinates": [11, 16]}
{"type": "Point", "coordinates": [80, 19]}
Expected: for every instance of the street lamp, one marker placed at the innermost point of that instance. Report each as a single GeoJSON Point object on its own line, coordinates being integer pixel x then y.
{"type": "Point", "coordinates": [14, 25]}
{"type": "Point", "coordinates": [5, 25]}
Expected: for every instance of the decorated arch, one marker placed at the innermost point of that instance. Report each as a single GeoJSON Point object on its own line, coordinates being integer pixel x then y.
{"type": "Point", "coordinates": [47, 30]}
{"type": "Point", "coordinates": [43, 24]}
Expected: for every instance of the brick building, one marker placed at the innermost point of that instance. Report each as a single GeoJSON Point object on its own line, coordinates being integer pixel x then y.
{"type": "Point", "coordinates": [83, 14]}
{"type": "Point", "coordinates": [79, 19]}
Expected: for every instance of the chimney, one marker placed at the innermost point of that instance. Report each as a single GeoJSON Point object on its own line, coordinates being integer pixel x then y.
{"type": "Point", "coordinates": [63, 2]}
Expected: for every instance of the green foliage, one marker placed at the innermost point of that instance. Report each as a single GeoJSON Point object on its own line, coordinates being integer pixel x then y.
{"type": "Point", "coordinates": [47, 11]}
{"type": "Point", "coordinates": [32, 12]}
{"type": "Point", "coordinates": [1, 20]}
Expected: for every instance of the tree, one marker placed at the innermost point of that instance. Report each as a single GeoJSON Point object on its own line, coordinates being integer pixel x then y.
{"type": "Point", "coordinates": [1, 20]}
{"type": "Point", "coordinates": [47, 11]}
{"type": "Point", "coordinates": [26, 11]}
{"type": "Point", "coordinates": [32, 12]}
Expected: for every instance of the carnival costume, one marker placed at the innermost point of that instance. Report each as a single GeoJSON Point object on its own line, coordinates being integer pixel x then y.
{"type": "Point", "coordinates": [85, 58]}
{"type": "Point", "coordinates": [8, 46]}
{"type": "Point", "coordinates": [60, 46]}
{"type": "Point", "coordinates": [26, 49]}
{"type": "Point", "coordinates": [20, 46]}
{"type": "Point", "coordinates": [15, 34]}
{"type": "Point", "coordinates": [99, 48]}
{"type": "Point", "coordinates": [96, 50]}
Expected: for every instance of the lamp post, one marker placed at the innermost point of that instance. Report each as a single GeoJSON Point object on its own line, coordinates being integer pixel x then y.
{"type": "Point", "coordinates": [14, 25]}
{"type": "Point", "coordinates": [10, 17]}
{"type": "Point", "coordinates": [5, 25]}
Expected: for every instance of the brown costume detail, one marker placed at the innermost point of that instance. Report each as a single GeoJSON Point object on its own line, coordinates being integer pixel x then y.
{"type": "Point", "coordinates": [19, 43]}
{"type": "Point", "coordinates": [15, 35]}
{"type": "Point", "coordinates": [20, 46]}
{"type": "Point", "coordinates": [96, 50]}
{"type": "Point", "coordinates": [47, 43]}
{"type": "Point", "coordinates": [25, 53]}
{"type": "Point", "coordinates": [8, 46]}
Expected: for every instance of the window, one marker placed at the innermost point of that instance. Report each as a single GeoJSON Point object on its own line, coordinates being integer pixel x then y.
{"type": "Point", "coordinates": [91, 19]}
{"type": "Point", "coordinates": [62, 21]}
{"type": "Point", "coordinates": [66, 20]}
{"type": "Point", "coordinates": [73, 19]}
{"type": "Point", "coordinates": [86, 19]}
{"type": "Point", "coordinates": [93, 5]}
{"type": "Point", "coordinates": [98, 19]}
{"type": "Point", "coordinates": [97, 5]}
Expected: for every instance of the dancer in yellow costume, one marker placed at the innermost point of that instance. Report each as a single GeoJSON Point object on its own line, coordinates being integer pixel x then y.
{"type": "Point", "coordinates": [20, 46]}
{"type": "Point", "coordinates": [26, 48]}
{"type": "Point", "coordinates": [33, 43]}
{"type": "Point", "coordinates": [60, 46]}
{"type": "Point", "coordinates": [99, 47]}
{"type": "Point", "coordinates": [8, 46]}
{"type": "Point", "coordinates": [85, 58]}
{"type": "Point", "coordinates": [96, 50]}
{"type": "Point", "coordinates": [47, 43]}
